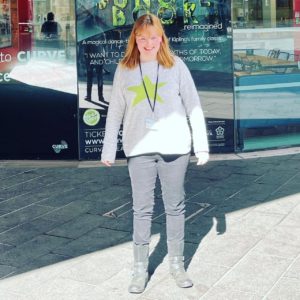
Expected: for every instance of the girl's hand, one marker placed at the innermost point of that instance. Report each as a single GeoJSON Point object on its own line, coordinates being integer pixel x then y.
{"type": "Point", "coordinates": [203, 158]}
{"type": "Point", "coordinates": [106, 163]}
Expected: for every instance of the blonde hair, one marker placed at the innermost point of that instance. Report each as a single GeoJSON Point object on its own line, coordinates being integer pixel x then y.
{"type": "Point", "coordinates": [165, 56]}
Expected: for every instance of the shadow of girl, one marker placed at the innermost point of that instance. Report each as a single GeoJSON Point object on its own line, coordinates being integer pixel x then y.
{"type": "Point", "coordinates": [195, 231]}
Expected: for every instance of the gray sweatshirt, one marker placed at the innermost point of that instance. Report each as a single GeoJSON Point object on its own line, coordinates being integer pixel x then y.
{"type": "Point", "coordinates": [164, 131]}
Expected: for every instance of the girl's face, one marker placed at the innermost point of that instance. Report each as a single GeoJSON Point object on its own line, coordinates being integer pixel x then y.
{"type": "Point", "coordinates": [148, 42]}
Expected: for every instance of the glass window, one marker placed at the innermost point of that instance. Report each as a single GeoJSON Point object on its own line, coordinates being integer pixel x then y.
{"type": "Point", "coordinates": [266, 55]}
{"type": "Point", "coordinates": [36, 37]}
{"type": "Point", "coordinates": [5, 24]}
{"type": "Point", "coordinates": [38, 80]}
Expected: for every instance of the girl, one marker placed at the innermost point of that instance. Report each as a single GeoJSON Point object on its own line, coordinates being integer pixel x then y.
{"type": "Point", "coordinates": [153, 94]}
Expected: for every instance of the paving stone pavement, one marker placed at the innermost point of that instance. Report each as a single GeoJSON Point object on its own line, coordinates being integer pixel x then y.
{"type": "Point", "coordinates": [65, 230]}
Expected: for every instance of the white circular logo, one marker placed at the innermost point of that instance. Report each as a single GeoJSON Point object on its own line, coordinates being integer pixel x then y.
{"type": "Point", "coordinates": [91, 117]}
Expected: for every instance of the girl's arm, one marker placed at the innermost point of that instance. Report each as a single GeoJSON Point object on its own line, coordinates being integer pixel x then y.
{"type": "Point", "coordinates": [194, 112]}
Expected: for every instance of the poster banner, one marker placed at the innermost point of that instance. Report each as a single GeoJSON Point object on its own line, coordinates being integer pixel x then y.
{"type": "Point", "coordinates": [38, 80]}
{"type": "Point", "coordinates": [199, 32]}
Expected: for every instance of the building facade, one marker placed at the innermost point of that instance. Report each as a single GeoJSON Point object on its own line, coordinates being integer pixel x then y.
{"type": "Point", "coordinates": [243, 55]}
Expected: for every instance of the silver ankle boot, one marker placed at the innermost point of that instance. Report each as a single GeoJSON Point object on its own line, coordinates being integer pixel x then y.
{"type": "Point", "coordinates": [140, 269]}
{"type": "Point", "coordinates": [176, 264]}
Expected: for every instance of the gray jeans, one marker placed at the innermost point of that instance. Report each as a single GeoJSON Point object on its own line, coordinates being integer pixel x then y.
{"type": "Point", "coordinates": [143, 172]}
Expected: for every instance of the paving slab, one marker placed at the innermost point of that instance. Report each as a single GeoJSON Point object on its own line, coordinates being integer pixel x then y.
{"type": "Point", "coordinates": [286, 288]}
{"type": "Point", "coordinates": [95, 240]}
{"type": "Point", "coordinates": [24, 283]}
{"type": "Point", "coordinates": [45, 195]}
{"type": "Point", "coordinates": [29, 251]}
{"type": "Point", "coordinates": [77, 227]}
{"type": "Point", "coordinates": [220, 293]}
{"type": "Point", "coordinates": [228, 249]}
{"type": "Point", "coordinates": [278, 248]}
{"type": "Point", "coordinates": [294, 270]}
{"type": "Point", "coordinates": [5, 247]}
{"type": "Point", "coordinates": [26, 231]}
{"type": "Point", "coordinates": [20, 216]}
{"type": "Point", "coordinates": [253, 274]}
{"type": "Point", "coordinates": [6, 271]}
{"type": "Point", "coordinates": [7, 295]}
{"type": "Point", "coordinates": [68, 212]}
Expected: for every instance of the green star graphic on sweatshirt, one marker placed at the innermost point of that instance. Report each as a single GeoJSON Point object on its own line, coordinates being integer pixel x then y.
{"type": "Point", "coordinates": [141, 94]}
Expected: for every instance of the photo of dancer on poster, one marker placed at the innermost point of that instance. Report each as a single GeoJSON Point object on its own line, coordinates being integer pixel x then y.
{"type": "Point", "coordinates": [94, 54]}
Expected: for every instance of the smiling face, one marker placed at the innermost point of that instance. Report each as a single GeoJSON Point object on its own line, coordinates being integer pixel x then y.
{"type": "Point", "coordinates": [148, 41]}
